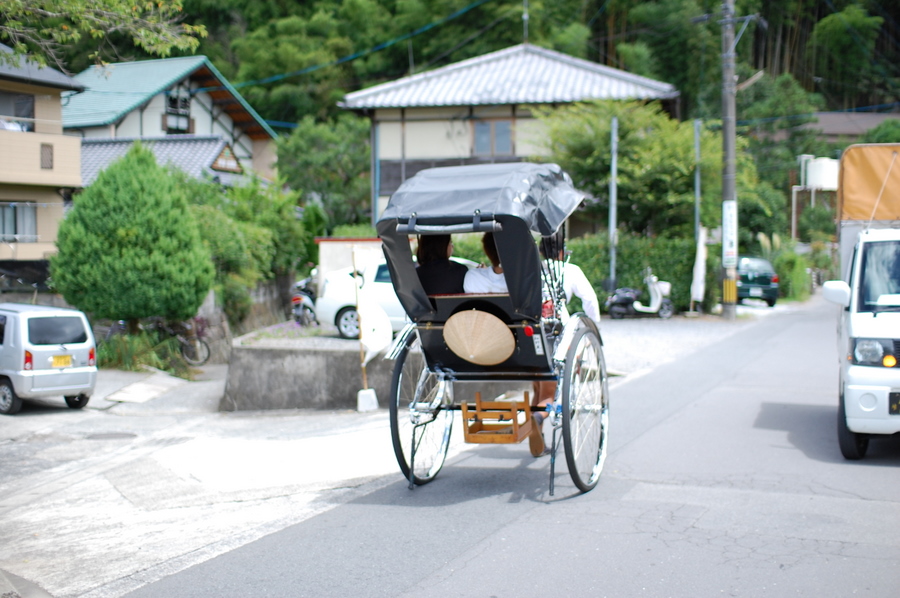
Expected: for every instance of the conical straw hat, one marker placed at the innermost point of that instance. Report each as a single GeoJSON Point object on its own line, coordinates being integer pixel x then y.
{"type": "Point", "coordinates": [479, 337]}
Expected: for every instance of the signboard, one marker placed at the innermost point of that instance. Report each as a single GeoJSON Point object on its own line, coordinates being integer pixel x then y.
{"type": "Point", "coordinates": [729, 234]}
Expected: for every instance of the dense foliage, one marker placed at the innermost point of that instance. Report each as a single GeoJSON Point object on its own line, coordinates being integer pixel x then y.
{"type": "Point", "coordinates": [130, 247]}
{"type": "Point", "coordinates": [294, 59]}
{"type": "Point", "coordinates": [329, 161]}
{"type": "Point", "coordinates": [254, 234]}
{"type": "Point", "coordinates": [66, 32]}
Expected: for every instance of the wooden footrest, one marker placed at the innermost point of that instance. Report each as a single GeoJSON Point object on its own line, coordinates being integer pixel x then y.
{"type": "Point", "coordinates": [501, 421]}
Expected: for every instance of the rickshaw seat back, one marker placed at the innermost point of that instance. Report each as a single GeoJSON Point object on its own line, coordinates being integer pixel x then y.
{"type": "Point", "coordinates": [530, 359]}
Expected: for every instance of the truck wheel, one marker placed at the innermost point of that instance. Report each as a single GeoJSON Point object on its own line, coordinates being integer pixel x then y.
{"type": "Point", "coordinates": [771, 302]}
{"type": "Point", "coordinates": [853, 445]}
{"type": "Point", "coordinates": [9, 402]}
{"type": "Point", "coordinates": [77, 402]}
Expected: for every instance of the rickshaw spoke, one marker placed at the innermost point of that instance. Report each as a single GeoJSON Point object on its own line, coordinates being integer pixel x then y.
{"type": "Point", "coordinates": [585, 404]}
{"type": "Point", "coordinates": [420, 426]}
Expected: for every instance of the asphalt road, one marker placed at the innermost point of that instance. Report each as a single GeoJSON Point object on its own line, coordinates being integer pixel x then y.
{"type": "Point", "coordinates": [724, 477]}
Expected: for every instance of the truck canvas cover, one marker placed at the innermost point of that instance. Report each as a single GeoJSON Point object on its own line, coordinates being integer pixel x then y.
{"type": "Point", "coordinates": [869, 187]}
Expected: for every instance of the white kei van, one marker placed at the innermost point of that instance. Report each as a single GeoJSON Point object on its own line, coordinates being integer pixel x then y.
{"type": "Point", "coordinates": [45, 351]}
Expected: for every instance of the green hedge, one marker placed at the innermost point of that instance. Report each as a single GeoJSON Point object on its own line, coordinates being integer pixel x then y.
{"type": "Point", "coordinates": [671, 260]}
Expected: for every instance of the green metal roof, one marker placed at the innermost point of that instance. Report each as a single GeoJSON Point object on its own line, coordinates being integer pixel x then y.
{"type": "Point", "coordinates": [114, 90]}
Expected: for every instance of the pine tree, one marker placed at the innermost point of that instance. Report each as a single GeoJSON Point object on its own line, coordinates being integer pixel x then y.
{"type": "Point", "coordinates": [129, 248]}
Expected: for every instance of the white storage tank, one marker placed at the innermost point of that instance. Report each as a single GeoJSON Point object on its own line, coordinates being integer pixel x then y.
{"type": "Point", "coordinates": [822, 174]}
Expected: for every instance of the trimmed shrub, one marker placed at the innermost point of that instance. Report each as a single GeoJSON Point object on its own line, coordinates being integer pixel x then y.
{"type": "Point", "coordinates": [794, 282]}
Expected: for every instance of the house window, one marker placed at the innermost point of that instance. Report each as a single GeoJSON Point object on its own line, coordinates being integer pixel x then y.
{"type": "Point", "coordinates": [46, 156]}
{"type": "Point", "coordinates": [493, 138]}
{"type": "Point", "coordinates": [18, 222]}
{"type": "Point", "coordinates": [177, 119]}
{"type": "Point", "coordinates": [16, 111]}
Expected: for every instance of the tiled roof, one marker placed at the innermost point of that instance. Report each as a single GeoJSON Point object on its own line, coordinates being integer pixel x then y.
{"type": "Point", "coordinates": [851, 124]}
{"type": "Point", "coordinates": [189, 153]}
{"type": "Point", "coordinates": [522, 74]}
{"type": "Point", "coordinates": [114, 90]}
{"type": "Point", "coordinates": [27, 71]}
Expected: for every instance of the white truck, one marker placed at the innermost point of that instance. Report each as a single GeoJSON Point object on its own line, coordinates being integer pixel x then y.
{"type": "Point", "coordinates": [869, 294]}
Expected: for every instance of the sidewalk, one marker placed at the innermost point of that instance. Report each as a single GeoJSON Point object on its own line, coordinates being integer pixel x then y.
{"type": "Point", "coordinates": [156, 391]}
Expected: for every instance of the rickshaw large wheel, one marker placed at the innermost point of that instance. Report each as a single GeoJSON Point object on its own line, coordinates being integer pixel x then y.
{"type": "Point", "coordinates": [585, 408]}
{"type": "Point", "coordinates": [413, 385]}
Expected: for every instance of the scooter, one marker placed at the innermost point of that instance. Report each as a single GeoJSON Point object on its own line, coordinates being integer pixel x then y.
{"type": "Point", "coordinates": [624, 301]}
{"type": "Point", "coordinates": [303, 302]}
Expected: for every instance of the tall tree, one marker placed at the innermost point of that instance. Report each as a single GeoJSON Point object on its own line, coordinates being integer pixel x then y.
{"type": "Point", "coordinates": [130, 248]}
{"type": "Point", "coordinates": [844, 44]}
{"type": "Point", "coordinates": [42, 28]}
{"type": "Point", "coordinates": [329, 162]}
{"type": "Point", "coordinates": [655, 164]}
{"type": "Point", "coordinates": [777, 116]}
{"type": "Point", "coordinates": [672, 32]}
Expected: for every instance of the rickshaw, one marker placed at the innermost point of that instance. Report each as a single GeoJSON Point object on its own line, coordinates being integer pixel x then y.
{"type": "Point", "coordinates": [521, 336]}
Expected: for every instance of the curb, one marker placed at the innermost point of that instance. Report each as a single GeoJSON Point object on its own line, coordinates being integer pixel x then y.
{"type": "Point", "coordinates": [12, 586]}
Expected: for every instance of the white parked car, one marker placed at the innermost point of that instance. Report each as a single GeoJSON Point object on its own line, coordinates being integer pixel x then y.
{"type": "Point", "coordinates": [336, 303]}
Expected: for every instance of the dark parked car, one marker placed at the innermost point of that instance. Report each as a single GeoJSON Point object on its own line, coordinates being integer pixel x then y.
{"type": "Point", "coordinates": [757, 280]}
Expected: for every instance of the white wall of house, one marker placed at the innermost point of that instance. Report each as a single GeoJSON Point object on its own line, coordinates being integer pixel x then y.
{"type": "Point", "coordinates": [531, 135]}
{"type": "Point", "coordinates": [449, 133]}
{"type": "Point", "coordinates": [265, 158]}
{"type": "Point", "coordinates": [442, 133]}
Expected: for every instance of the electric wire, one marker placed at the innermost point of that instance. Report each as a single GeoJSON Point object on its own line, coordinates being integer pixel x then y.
{"type": "Point", "coordinates": [360, 54]}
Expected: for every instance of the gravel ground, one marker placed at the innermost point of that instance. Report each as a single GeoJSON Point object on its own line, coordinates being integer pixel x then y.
{"type": "Point", "coordinates": [637, 344]}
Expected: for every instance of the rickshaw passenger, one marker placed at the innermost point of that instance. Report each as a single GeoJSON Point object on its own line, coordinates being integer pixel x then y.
{"type": "Point", "coordinates": [438, 274]}
{"type": "Point", "coordinates": [487, 279]}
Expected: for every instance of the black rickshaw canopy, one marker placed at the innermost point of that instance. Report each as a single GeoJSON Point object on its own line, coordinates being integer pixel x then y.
{"type": "Point", "coordinates": [513, 200]}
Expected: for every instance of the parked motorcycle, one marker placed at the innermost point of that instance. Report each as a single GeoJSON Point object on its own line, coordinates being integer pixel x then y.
{"type": "Point", "coordinates": [303, 302]}
{"type": "Point", "coordinates": [624, 301]}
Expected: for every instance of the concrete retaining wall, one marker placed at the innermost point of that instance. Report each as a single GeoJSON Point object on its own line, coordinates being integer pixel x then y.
{"type": "Point", "coordinates": [316, 373]}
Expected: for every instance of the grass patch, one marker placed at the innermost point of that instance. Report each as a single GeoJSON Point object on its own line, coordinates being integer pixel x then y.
{"type": "Point", "coordinates": [137, 352]}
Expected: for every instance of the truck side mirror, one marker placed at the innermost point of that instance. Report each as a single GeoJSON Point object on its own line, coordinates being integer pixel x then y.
{"type": "Point", "coordinates": [837, 291]}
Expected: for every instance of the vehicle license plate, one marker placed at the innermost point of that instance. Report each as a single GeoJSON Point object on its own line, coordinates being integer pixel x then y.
{"type": "Point", "coordinates": [894, 403]}
{"type": "Point", "coordinates": [62, 361]}
{"type": "Point", "coordinates": [756, 292]}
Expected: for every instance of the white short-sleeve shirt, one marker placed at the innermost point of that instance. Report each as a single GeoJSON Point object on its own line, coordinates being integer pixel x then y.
{"type": "Point", "coordinates": [484, 280]}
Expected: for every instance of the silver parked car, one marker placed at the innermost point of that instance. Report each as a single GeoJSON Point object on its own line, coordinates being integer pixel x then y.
{"type": "Point", "coordinates": [44, 352]}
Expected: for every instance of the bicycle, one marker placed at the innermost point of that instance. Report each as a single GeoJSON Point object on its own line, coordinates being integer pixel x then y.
{"type": "Point", "coordinates": [194, 349]}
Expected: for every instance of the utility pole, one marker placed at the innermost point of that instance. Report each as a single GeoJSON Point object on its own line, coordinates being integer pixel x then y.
{"type": "Point", "coordinates": [729, 194]}
{"type": "Point", "coordinates": [697, 132]}
{"type": "Point", "coordinates": [525, 21]}
{"type": "Point", "coordinates": [613, 199]}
